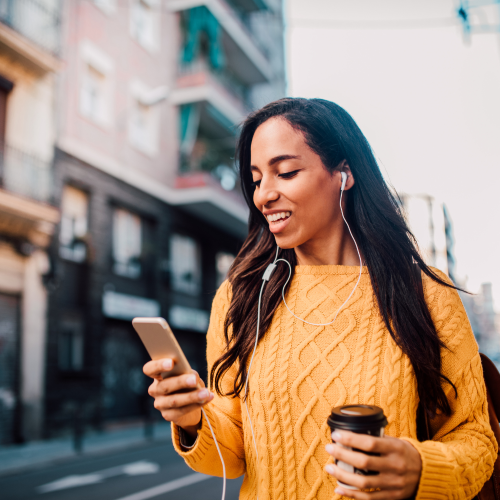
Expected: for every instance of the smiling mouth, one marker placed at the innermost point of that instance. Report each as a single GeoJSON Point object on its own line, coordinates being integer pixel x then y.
{"type": "Point", "coordinates": [279, 217]}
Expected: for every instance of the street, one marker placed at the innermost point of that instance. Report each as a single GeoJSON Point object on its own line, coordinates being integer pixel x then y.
{"type": "Point", "coordinates": [150, 471]}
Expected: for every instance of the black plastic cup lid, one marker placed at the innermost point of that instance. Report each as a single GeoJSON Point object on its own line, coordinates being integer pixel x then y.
{"type": "Point", "coordinates": [357, 417]}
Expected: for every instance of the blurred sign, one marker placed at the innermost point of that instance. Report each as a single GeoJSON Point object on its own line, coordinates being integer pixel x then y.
{"type": "Point", "coordinates": [188, 318]}
{"type": "Point", "coordinates": [122, 306]}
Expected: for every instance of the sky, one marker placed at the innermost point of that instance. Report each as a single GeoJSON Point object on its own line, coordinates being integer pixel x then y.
{"type": "Point", "coordinates": [427, 100]}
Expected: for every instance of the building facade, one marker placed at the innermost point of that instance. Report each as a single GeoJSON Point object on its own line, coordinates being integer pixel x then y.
{"type": "Point", "coordinates": [149, 103]}
{"type": "Point", "coordinates": [484, 321]}
{"type": "Point", "coordinates": [431, 225]}
{"type": "Point", "coordinates": [29, 64]}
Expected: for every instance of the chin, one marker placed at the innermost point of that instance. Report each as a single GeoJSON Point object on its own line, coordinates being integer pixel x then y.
{"type": "Point", "coordinates": [286, 243]}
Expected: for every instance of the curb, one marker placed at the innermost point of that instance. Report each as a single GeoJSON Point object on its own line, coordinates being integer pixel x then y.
{"type": "Point", "coordinates": [27, 458]}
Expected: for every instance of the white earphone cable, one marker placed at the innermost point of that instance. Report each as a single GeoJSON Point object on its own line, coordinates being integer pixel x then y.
{"type": "Point", "coordinates": [220, 455]}
{"type": "Point", "coordinates": [251, 361]}
{"type": "Point", "coordinates": [246, 392]}
{"type": "Point", "coordinates": [353, 290]}
{"type": "Point", "coordinates": [265, 278]}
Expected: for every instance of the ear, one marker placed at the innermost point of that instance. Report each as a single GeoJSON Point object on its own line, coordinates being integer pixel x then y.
{"type": "Point", "coordinates": [344, 167]}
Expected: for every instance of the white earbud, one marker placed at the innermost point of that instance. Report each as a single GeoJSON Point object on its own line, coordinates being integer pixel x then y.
{"type": "Point", "coordinates": [344, 180]}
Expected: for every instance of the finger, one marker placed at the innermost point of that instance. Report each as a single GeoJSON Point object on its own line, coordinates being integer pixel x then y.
{"type": "Point", "coordinates": [364, 442]}
{"type": "Point", "coordinates": [153, 388]}
{"type": "Point", "coordinates": [358, 459]}
{"type": "Point", "coordinates": [155, 368]}
{"type": "Point", "coordinates": [189, 381]}
{"type": "Point", "coordinates": [361, 482]}
{"type": "Point", "coordinates": [180, 400]}
{"type": "Point", "coordinates": [365, 495]}
{"type": "Point", "coordinates": [175, 414]}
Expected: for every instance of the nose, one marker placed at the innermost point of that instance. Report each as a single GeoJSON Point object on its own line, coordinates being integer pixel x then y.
{"type": "Point", "coordinates": [266, 193]}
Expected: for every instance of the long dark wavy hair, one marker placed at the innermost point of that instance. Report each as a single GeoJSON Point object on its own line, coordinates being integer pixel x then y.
{"type": "Point", "coordinates": [389, 249]}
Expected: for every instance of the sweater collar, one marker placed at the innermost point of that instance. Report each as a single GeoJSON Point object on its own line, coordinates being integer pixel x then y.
{"type": "Point", "coordinates": [329, 269]}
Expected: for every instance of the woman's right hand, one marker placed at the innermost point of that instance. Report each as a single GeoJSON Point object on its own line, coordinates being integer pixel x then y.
{"type": "Point", "coordinates": [179, 398]}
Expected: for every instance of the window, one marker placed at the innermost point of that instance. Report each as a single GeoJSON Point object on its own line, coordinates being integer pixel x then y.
{"type": "Point", "coordinates": [127, 243]}
{"type": "Point", "coordinates": [139, 124]}
{"type": "Point", "coordinates": [70, 346]}
{"type": "Point", "coordinates": [144, 23]}
{"type": "Point", "coordinates": [144, 121]}
{"type": "Point", "coordinates": [144, 127]}
{"type": "Point", "coordinates": [96, 84]}
{"type": "Point", "coordinates": [185, 265]}
{"type": "Point", "coordinates": [223, 262]}
{"type": "Point", "coordinates": [74, 224]}
{"type": "Point", "coordinates": [93, 94]}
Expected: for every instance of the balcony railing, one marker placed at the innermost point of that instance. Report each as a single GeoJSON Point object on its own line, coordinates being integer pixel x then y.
{"type": "Point", "coordinates": [37, 20]}
{"type": "Point", "coordinates": [223, 77]}
{"type": "Point", "coordinates": [25, 174]}
{"type": "Point", "coordinates": [244, 21]}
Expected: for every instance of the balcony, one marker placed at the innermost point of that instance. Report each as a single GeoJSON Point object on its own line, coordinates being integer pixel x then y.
{"type": "Point", "coordinates": [245, 57]}
{"type": "Point", "coordinates": [223, 101]}
{"type": "Point", "coordinates": [252, 5]}
{"type": "Point", "coordinates": [25, 174]}
{"type": "Point", "coordinates": [218, 206]}
{"type": "Point", "coordinates": [37, 20]}
{"type": "Point", "coordinates": [26, 188]}
{"type": "Point", "coordinates": [30, 31]}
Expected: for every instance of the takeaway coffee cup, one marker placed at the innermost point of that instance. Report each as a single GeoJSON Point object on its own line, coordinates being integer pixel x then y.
{"type": "Point", "coordinates": [361, 419]}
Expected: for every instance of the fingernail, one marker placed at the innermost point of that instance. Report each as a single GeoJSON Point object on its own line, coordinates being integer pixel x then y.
{"type": "Point", "coordinates": [340, 491]}
{"type": "Point", "coordinates": [191, 380]}
{"type": "Point", "coordinates": [329, 468]}
{"type": "Point", "coordinates": [336, 436]}
{"type": "Point", "coordinates": [203, 394]}
{"type": "Point", "coordinates": [330, 448]}
{"type": "Point", "coordinates": [167, 364]}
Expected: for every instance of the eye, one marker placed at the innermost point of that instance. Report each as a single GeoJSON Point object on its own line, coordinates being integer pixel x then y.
{"type": "Point", "coordinates": [255, 184]}
{"type": "Point", "coordinates": [289, 175]}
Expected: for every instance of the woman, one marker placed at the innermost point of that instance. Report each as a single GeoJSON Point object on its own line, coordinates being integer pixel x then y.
{"type": "Point", "coordinates": [395, 343]}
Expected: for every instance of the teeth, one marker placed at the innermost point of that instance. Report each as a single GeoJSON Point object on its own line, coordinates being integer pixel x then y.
{"type": "Point", "coordinates": [278, 216]}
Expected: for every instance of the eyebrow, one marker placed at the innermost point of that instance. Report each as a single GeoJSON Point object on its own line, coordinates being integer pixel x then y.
{"type": "Point", "coordinates": [278, 159]}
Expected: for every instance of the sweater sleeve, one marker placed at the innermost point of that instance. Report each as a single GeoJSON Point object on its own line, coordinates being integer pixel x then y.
{"type": "Point", "coordinates": [459, 459]}
{"type": "Point", "coordinates": [224, 413]}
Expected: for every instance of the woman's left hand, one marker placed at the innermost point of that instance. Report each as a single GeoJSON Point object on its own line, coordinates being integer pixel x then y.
{"type": "Point", "coordinates": [399, 466]}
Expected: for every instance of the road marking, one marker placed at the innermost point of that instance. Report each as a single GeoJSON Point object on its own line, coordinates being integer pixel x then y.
{"type": "Point", "coordinates": [70, 482]}
{"type": "Point", "coordinates": [132, 469]}
{"type": "Point", "coordinates": [166, 487]}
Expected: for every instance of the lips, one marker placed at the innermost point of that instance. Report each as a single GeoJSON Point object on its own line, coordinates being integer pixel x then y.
{"type": "Point", "coordinates": [278, 221]}
{"type": "Point", "coordinates": [278, 217]}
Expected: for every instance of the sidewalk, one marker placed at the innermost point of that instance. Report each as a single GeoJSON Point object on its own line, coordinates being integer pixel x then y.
{"type": "Point", "coordinates": [17, 458]}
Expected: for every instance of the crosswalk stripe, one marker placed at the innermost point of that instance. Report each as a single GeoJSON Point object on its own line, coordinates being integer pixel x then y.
{"type": "Point", "coordinates": [166, 487]}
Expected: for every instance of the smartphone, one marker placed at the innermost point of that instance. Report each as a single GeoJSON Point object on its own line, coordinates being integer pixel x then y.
{"type": "Point", "coordinates": [160, 343]}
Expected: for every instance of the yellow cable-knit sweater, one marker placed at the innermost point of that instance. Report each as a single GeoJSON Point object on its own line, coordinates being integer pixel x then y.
{"type": "Point", "coordinates": [301, 371]}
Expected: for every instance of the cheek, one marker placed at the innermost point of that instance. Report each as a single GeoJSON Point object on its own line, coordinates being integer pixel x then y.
{"type": "Point", "coordinates": [318, 202]}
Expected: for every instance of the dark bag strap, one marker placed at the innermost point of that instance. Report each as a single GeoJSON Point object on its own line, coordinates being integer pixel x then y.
{"type": "Point", "coordinates": [491, 489]}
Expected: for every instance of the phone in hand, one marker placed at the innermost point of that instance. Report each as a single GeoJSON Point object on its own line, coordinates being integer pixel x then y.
{"type": "Point", "coordinates": [161, 343]}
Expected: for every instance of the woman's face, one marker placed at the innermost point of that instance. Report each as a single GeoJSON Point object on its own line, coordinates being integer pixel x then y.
{"type": "Point", "coordinates": [293, 189]}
